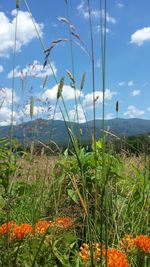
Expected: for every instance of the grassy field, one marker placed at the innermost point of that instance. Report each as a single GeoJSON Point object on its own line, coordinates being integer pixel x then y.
{"type": "Point", "coordinates": [47, 219]}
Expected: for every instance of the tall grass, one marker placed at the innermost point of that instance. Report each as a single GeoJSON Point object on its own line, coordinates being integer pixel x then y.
{"type": "Point", "coordinates": [94, 188]}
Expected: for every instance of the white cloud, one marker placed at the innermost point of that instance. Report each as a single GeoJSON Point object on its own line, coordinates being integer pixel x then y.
{"type": "Point", "coordinates": [35, 70]}
{"type": "Point", "coordinates": [5, 106]}
{"type": "Point", "coordinates": [5, 116]}
{"type": "Point", "coordinates": [1, 68]}
{"type": "Point", "coordinates": [109, 116]}
{"type": "Point", "coordinates": [130, 83]}
{"type": "Point", "coordinates": [98, 29]}
{"type": "Point", "coordinates": [83, 10]}
{"type": "Point", "coordinates": [136, 92]}
{"type": "Point", "coordinates": [25, 31]}
{"type": "Point", "coordinates": [73, 114]}
{"type": "Point", "coordinates": [122, 83]}
{"type": "Point", "coordinates": [120, 5]}
{"type": "Point", "coordinates": [67, 92]}
{"type": "Point", "coordinates": [6, 97]}
{"type": "Point", "coordinates": [148, 109]}
{"type": "Point", "coordinates": [98, 63]}
{"type": "Point", "coordinates": [133, 112]}
{"type": "Point", "coordinates": [88, 100]}
{"type": "Point", "coordinates": [37, 110]}
{"type": "Point", "coordinates": [140, 36]}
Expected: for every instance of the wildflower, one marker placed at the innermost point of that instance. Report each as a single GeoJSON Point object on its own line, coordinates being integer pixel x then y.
{"type": "Point", "coordinates": [127, 242]}
{"type": "Point", "coordinates": [116, 258]}
{"type": "Point", "coordinates": [84, 253]}
{"type": "Point", "coordinates": [42, 226]}
{"type": "Point", "coordinates": [22, 231]}
{"type": "Point", "coordinates": [63, 222]}
{"type": "Point", "coordinates": [143, 243]}
{"type": "Point", "coordinates": [6, 227]}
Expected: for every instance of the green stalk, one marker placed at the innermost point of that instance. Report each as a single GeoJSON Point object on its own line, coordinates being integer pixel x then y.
{"type": "Point", "coordinates": [72, 66]}
{"type": "Point", "coordinates": [11, 135]}
{"type": "Point", "coordinates": [49, 61]}
{"type": "Point", "coordinates": [103, 198]}
{"type": "Point", "coordinates": [94, 126]}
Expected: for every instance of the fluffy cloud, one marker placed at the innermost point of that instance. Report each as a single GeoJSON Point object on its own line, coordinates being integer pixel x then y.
{"type": "Point", "coordinates": [109, 116]}
{"type": "Point", "coordinates": [98, 63]}
{"type": "Point", "coordinates": [6, 97]}
{"type": "Point", "coordinates": [25, 31]}
{"type": "Point", "coordinates": [33, 70]}
{"type": "Point", "coordinates": [1, 68]}
{"type": "Point", "coordinates": [98, 29]}
{"type": "Point", "coordinates": [133, 112]}
{"type": "Point", "coordinates": [130, 83]}
{"type": "Point", "coordinates": [67, 92]}
{"type": "Point", "coordinates": [73, 114]}
{"type": "Point", "coordinates": [136, 92]}
{"type": "Point", "coordinates": [5, 116]}
{"type": "Point", "coordinates": [120, 5]}
{"type": "Point", "coordinates": [88, 100]}
{"type": "Point", "coordinates": [5, 106]}
{"type": "Point", "coordinates": [140, 36]}
{"type": "Point", "coordinates": [122, 83]}
{"type": "Point", "coordinates": [83, 10]}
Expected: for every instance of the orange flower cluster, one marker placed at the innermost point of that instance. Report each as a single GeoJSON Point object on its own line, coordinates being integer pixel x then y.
{"type": "Point", "coordinates": [21, 231]}
{"type": "Point", "coordinates": [6, 227]}
{"type": "Point", "coordinates": [127, 242]}
{"type": "Point", "coordinates": [63, 222]}
{"type": "Point", "coordinates": [116, 258]}
{"type": "Point", "coordinates": [84, 252]}
{"type": "Point", "coordinates": [143, 243]}
{"type": "Point", "coordinates": [42, 226]}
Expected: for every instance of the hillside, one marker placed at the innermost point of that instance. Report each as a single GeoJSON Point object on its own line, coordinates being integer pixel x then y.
{"type": "Point", "coordinates": [44, 130]}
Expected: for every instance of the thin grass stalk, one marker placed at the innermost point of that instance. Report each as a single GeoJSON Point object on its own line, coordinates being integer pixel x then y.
{"type": "Point", "coordinates": [89, 234]}
{"type": "Point", "coordinates": [11, 136]}
{"type": "Point", "coordinates": [49, 61]}
{"type": "Point", "coordinates": [72, 66]}
{"type": "Point", "coordinates": [94, 121]}
{"type": "Point", "coordinates": [103, 56]}
{"type": "Point", "coordinates": [39, 248]}
{"type": "Point", "coordinates": [40, 39]}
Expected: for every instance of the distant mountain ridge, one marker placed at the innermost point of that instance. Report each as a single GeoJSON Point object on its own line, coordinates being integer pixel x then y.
{"type": "Point", "coordinates": [45, 130]}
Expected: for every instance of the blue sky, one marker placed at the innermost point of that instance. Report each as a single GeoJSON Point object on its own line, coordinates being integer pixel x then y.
{"type": "Point", "coordinates": [127, 59]}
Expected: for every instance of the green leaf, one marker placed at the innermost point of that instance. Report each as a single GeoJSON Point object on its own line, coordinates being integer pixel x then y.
{"type": "Point", "coordinates": [73, 195]}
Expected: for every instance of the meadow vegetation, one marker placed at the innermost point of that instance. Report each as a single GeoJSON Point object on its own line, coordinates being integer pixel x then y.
{"type": "Point", "coordinates": [81, 207]}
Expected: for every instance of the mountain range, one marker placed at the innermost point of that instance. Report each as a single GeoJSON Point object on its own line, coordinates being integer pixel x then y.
{"type": "Point", "coordinates": [57, 130]}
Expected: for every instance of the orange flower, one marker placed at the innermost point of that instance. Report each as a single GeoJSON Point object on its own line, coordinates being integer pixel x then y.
{"type": "Point", "coordinates": [22, 231]}
{"type": "Point", "coordinates": [42, 226]}
{"type": "Point", "coordinates": [6, 227]}
{"type": "Point", "coordinates": [84, 253]}
{"type": "Point", "coordinates": [116, 258]}
{"type": "Point", "coordinates": [64, 222]}
{"type": "Point", "coordinates": [143, 243]}
{"type": "Point", "coordinates": [127, 242]}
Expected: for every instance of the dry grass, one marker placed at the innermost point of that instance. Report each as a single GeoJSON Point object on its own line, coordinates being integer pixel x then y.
{"type": "Point", "coordinates": [36, 167]}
